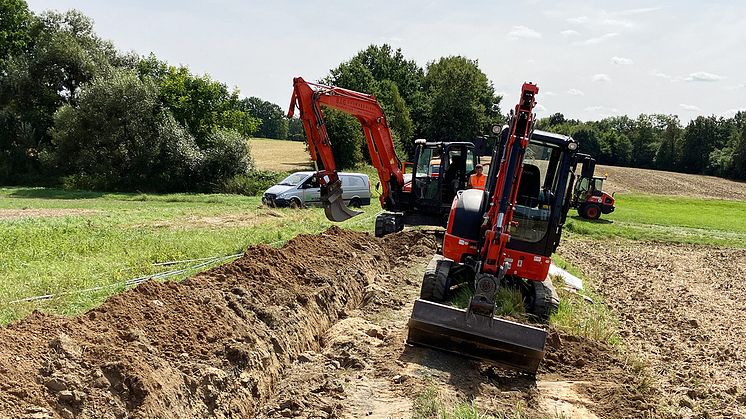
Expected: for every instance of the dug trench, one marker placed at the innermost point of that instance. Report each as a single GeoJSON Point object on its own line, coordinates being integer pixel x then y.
{"type": "Point", "coordinates": [314, 329]}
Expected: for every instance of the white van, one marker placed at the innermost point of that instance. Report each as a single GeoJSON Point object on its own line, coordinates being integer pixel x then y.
{"type": "Point", "coordinates": [302, 189]}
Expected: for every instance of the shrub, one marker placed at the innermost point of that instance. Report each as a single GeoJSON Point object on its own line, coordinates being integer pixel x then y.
{"type": "Point", "coordinates": [227, 156]}
{"type": "Point", "coordinates": [252, 183]}
{"type": "Point", "coordinates": [120, 137]}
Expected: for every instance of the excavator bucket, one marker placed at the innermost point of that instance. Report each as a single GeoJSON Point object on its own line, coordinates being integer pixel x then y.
{"type": "Point", "coordinates": [334, 206]}
{"type": "Point", "coordinates": [502, 342]}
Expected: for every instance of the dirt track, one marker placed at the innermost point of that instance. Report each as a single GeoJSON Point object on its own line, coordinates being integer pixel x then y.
{"type": "Point", "coordinates": [681, 310]}
{"type": "Point", "coordinates": [282, 333]}
{"type": "Point", "coordinates": [658, 182]}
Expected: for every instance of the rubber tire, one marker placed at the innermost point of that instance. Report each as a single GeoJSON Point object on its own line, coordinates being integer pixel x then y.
{"type": "Point", "coordinates": [436, 282]}
{"type": "Point", "coordinates": [545, 301]}
{"type": "Point", "coordinates": [295, 203]}
{"type": "Point", "coordinates": [355, 203]}
{"type": "Point", "coordinates": [592, 212]}
{"type": "Point", "coordinates": [378, 229]}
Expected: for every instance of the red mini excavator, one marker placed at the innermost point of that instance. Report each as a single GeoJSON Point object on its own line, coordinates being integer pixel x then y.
{"type": "Point", "coordinates": [440, 168]}
{"type": "Point", "coordinates": [501, 237]}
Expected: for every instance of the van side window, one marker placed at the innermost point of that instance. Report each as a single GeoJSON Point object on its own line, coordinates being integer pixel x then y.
{"type": "Point", "coordinates": [312, 182]}
{"type": "Point", "coordinates": [357, 182]}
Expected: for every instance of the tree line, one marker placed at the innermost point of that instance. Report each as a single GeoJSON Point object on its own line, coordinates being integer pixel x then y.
{"type": "Point", "coordinates": [75, 109]}
{"type": "Point", "coordinates": [708, 145]}
{"type": "Point", "coordinates": [452, 99]}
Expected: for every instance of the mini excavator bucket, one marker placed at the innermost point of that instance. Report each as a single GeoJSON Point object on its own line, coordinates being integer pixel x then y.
{"type": "Point", "coordinates": [503, 342]}
{"type": "Point", "coordinates": [334, 206]}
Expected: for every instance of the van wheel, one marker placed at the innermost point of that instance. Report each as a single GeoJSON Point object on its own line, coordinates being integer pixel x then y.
{"type": "Point", "coordinates": [355, 203]}
{"type": "Point", "coordinates": [295, 203]}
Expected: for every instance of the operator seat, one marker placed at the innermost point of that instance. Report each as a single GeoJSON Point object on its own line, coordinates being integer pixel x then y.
{"type": "Point", "coordinates": [529, 187]}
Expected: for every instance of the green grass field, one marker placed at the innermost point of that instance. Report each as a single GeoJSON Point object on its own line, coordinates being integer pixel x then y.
{"type": "Point", "coordinates": [76, 240]}
{"type": "Point", "coordinates": [669, 219]}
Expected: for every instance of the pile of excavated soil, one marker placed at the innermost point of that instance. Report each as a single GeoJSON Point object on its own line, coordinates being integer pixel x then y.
{"type": "Point", "coordinates": [681, 310]}
{"type": "Point", "coordinates": [213, 345]}
{"type": "Point", "coordinates": [658, 182]}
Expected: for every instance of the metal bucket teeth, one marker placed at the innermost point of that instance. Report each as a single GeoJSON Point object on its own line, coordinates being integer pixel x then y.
{"type": "Point", "coordinates": [334, 206]}
{"type": "Point", "coordinates": [503, 342]}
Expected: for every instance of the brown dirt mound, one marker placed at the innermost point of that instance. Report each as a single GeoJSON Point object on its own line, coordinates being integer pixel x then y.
{"type": "Point", "coordinates": [213, 345]}
{"type": "Point", "coordinates": [658, 182]}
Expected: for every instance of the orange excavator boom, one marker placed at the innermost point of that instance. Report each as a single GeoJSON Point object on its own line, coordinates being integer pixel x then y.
{"type": "Point", "coordinates": [309, 99]}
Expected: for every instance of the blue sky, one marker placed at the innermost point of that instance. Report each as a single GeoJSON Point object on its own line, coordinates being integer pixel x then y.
{"type": "Point", "coordinates": [590, 59]}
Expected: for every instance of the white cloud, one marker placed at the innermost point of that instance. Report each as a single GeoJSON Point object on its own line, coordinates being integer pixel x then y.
{"type": "Point", "coordinates": [691, 108]}
{"type": "Point", "coordinates": [621, 60]}
{"type": "Point", "coordinates": [736, 86]}
{"type": "Point", "coordinates": [540, 108]}
{"type": "Point", "coordinates": [636, 11]}
{"type": "Point", "coordinates": [703, 76]}
{"type": "Point", "coordinates": [570, 32]}
{"type": "Point", "coordinates": [575, 92]}
{"type": "Point", "coordinates": [599, 39]}
{"type": "Point", "coordinates": [601, 110]}
{"type": "Point", "coordinates": [523, 32]}
{"type": "Point", "coordinates": [578, 20]}
{"type": "Point", "coordinates": [732, 112]}
{"type": "Point", "coordinates": [601, 77]}
{"type": "Point", "coordinates": [662, 75]}
{"type": "Point", "coordinates": [549, 93]}
{"type": "Point", "coordinates": [621, 23]}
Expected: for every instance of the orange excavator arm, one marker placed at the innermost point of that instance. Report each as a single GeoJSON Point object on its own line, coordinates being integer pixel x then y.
{"type": "Point", "coordinates": [308, 98]}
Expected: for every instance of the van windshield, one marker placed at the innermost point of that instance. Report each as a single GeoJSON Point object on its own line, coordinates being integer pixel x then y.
{"type": "Point", "coordinates": [294, 180]}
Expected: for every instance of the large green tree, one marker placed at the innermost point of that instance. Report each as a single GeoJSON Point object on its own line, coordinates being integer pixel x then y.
{"type": "Point", "coordinates": [345, 136]}
{"type": "Point", "coordinates": [63, 54]}
{"type": "Point", "coordinates": [395, 81]}
{"type": "Point", "coordinates": [203, 104]}
{"type": "Point", "coordinates": [460, 99]}
{"type": "Point", "coordinates": [15, 28]}
{"type": "Point", "coordinates": [666, 157]}
{"type": "Point", "coordinates": [118, 136]}
{"type": "Point", "coordinates": [273, 122]}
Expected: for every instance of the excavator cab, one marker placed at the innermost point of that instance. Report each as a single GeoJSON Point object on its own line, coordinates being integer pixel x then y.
{"type": "Point", "coordinates": [440, 169]}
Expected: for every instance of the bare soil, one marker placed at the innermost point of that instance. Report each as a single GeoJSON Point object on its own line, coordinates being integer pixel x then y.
{"type": "Point", "coordinates": [315, 329]}
{"type": "Point", "coordinates": [658, 182]}
{"type": "Point", "coordinates": [14, 214]}
{"type": "Point", "coordinates": [681, 311]}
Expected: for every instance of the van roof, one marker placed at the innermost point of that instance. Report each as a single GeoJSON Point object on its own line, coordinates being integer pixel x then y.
{"type": "Point", "coordinates": [340, 173]}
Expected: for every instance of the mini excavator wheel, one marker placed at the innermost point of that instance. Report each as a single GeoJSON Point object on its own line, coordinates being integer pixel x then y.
{"type": "Point", "coordinates": [436, 282]}
{"type": "Point", "coordinates": [542, 300]}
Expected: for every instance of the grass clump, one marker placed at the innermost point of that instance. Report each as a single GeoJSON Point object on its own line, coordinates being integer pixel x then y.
{"type": "Point", "coordinates": [583, 313]}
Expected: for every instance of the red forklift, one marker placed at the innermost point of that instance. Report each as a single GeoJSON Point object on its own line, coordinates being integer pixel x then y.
{"type": "Point", "coordinates": [588, 196]}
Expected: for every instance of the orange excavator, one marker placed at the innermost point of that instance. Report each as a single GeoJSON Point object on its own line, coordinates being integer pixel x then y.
{"type": "Point", "coordinates": [502, 236]}
{"type": "Point", "coordinates": [423, 197]}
